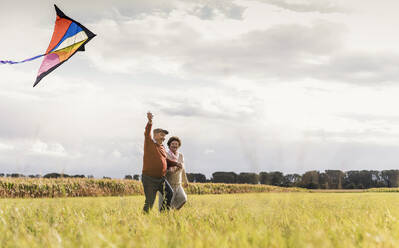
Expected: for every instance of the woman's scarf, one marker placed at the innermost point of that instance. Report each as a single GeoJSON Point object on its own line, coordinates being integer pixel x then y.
{"type": "Point", "coordinates": [173, 156]}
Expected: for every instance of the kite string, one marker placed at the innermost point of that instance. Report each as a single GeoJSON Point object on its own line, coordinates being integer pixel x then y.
{"type": "Point", "coordinates": [18, 62]}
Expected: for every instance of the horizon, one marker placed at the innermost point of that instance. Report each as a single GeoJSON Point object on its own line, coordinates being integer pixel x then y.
{"type": "Point", "coordinates": [208, 177]}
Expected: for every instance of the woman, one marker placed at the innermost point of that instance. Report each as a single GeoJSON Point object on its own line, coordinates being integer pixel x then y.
{"type": "Point", "coordinates": [175, 176]}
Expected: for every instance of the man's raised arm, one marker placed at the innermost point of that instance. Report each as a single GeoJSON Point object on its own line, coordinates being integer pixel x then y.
{"type": "Point", "coordinates": [148, 127]}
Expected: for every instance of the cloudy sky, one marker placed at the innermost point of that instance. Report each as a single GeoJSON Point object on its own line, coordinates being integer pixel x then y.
{"type": "Point", "coordinates": [249, 86]}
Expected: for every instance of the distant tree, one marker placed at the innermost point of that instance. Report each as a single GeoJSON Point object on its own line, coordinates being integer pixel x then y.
{"type": "Point", "coordinates": [264, 178]}
{"type": "Point", "coordinates": [352, 179]}
{"type": "Point", "coordinates": [52, 175]}
{"type": "Point", "coordinates": [224, 177]}
{"type": "Point", "coordinates": [366, 179]}
{"type": "Point", "coordinates": [2, 175]}
{"type": "Point", "coordinates": [190, 177]}
{"type": "Point", "coordinates": [323, 181]}
{"type": "Point", "coordinates": [377, 179]}
{"type": "Point", "coordinates": [363, 179]}
{"type": "Point", "coordinates": [55, 175]}
{"type": "Point", "coordinates": [276, 178]}
{"type": "Point", "coordinates": [196, 177]}
{"type": "Point", "coordinates": [136, 177]}
{"type": "Point", "coordinates": [335, 178]}
{"type": "Point", "coordinates": [128, 177]}
{"type": "Point", "coordinates": [248, 178]}
{"type": "Point", "coordinates": [78, 176]}
{"type": "Point", "coordinates": [291, 180]}
{"type": "Point", "coordinates": [391, 177]}
{"type": "Point", "coordinates": [350, 185]}
{"type": "Point", "coordinates": [90, 176]}
{"type": "Point", "coordinates": [16, 175]}
{"type": "Point", "coordinates": [106, 178]}
{"type": "Point", "coordinates": [310, 179]}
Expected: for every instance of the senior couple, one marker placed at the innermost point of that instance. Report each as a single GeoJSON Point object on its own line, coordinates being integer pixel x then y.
{"type": "Point", "coordinates": [163, 170]}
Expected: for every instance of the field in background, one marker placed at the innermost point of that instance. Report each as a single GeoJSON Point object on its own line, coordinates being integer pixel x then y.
{"type": "Point", "coordinates": [235, 220]}
{"type": "Point", "coordinates": [78, 187]}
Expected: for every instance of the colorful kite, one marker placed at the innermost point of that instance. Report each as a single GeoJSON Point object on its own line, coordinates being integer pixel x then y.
{"type": "Point", "coordinates": [68, 38]}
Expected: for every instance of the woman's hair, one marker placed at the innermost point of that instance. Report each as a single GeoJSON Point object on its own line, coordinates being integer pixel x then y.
{"type": "Point", "coordinates": [174, 138]}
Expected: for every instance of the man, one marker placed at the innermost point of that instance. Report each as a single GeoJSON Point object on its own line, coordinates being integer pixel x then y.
{"type": "Point", "coordinates": [155, 164]}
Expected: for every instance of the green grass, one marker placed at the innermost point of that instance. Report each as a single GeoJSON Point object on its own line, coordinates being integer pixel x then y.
{"type": "Point", "coordinates": [236, 220]}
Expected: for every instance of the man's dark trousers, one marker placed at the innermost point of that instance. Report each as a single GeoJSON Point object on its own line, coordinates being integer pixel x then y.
{"type": "Point", "coordinates": [151, 186]}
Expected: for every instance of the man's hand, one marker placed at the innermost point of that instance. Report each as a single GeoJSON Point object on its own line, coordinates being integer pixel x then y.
{"type": "Point", "coordinates": [150, 116]}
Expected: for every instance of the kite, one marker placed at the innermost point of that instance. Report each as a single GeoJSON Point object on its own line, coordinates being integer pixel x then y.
{"type": "Point", "coordinates": [69, 37]}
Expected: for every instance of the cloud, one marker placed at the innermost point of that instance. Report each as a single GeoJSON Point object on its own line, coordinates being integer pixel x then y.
{"type": "Point", "coordinates": [282, 51]}
{"type": "Point", "coordinates": [287, 52]}
{"type": "Point", "coordinates": [135, 38]}
{"type": "Point", "coordinates": [321, 6]}
{"type": "Point", "coordinates": [208, 110]}
{"type": "Point", "coordinates": [116, 154]}
{"type": "Point", "coordinates": [208, 9]}
{"type": "Point", "coordinates": [217, 103]}
{"type": "Point", "coordinates": [44, 149]}
{"type": "Point", "coordinates": [209, 151]}
{"type": "Point", "coordinates": [362, 68]}
{"type": "Point", "coordinates": [6, 147]}
{"type": "Point", "coordinates": [393, 119]}
{"type": "Point", "coordinates": [366, 136]}
{"type": "Point", "coordinates": [86, 11]}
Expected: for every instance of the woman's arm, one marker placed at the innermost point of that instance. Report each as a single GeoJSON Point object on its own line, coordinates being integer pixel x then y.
{"type": "Point", "coordinates": [184, 175]}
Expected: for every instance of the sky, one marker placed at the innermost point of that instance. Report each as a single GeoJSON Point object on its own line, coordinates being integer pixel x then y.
{"type": "Point", "coordinates": [249, 86]}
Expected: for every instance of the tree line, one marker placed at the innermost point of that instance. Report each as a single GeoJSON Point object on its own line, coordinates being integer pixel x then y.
{"type": "Point", "coordinates": [329, 179]}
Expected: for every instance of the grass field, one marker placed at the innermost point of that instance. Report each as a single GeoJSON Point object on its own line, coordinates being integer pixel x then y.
{"type": "Point", "coordinates": [78, 187]}
{"type": "Point", "coordinates": [235, 220]}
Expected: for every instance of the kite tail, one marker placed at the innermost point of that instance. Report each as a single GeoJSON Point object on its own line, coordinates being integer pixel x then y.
{"type": "Point", "coordinates": [19, 62]}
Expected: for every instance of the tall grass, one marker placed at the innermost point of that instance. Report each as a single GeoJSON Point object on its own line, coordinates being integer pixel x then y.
{"type": "Point", "coordinates": [235, 220]}
{"type": "Point", "coordinates": [77, 187]}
